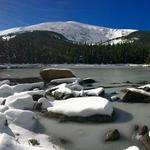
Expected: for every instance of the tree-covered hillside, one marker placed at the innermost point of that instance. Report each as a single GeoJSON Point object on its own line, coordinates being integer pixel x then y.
{"type": "Point", "coordinates": [51, 47]}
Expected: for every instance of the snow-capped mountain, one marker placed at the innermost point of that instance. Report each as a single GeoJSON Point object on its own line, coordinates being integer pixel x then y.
{"type": "Point", "coordinates": [75, 31]}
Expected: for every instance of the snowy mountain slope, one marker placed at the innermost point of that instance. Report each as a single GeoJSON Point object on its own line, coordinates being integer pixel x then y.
{"type": "Point", "coordinates": [75, 31]}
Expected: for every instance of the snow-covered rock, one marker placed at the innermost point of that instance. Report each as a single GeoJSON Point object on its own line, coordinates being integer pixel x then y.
{"type": "Point", "coordinates": [2, 120]}
{"type": "Point", "coordinates": [63, 80]}
{"type": "Point", "coordinates": [3, 108]}
{"type": "Point", "coordinates": [62, 88]}
{"type": "Point", "coordinates": [34, 92]}
{"type": "Point", "coordinates": [23, 118]}
{"type": "Point", "coordinates": [20, 101]}
{"type": "Point", "coordinates": [132, 148]}
{"type": "Point", "coordinates": [6, 90]}
{"type": "Point", "coordinates": [45, 103]}
{"type": "Point", "coordinates": [75, 86]}
{"type": "Point", "coordinates": [4, 82]}
{"type": "Point", "coordinates": [27, 86]}
{"type": "Point", "coordinates": [144, 86]}
{"type": "Point", "coordinates": [94, 92]}
{"type": "Point", "coordinates": [83, 107]}
{"type": "Point", "coordinates": [75, 31]}
{"type": "Point", "coordinates": [134, 95]}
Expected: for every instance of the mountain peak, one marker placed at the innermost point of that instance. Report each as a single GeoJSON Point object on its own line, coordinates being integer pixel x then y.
{"type": "Point", "coordinates": [75, 31]}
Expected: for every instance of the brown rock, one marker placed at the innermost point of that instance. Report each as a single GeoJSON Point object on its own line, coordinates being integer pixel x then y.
{"type": "Point", "coordinates": [54, 73]}
{"type": "Point", "coordinates": [136, 97]}
{"type": "Point", "coordinates": [112, 135]}
{"type": "Point", "coordinates": [146, 141]}
{"type": "Point", "coordinates": [143, 130]}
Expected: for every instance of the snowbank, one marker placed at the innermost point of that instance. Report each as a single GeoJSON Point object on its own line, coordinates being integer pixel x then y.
{"type": "Point", "coordinates": [83, 106]}
{"type": "Point", "coordinates": [20, 101]}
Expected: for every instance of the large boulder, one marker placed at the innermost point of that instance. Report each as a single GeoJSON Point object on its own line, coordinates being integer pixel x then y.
{"type": "Point", "coordinates": [136, 96]}
{"type": "Point", "coordinates": [82, 109]}
{"type": "Point", "coordinates": [54, 73]}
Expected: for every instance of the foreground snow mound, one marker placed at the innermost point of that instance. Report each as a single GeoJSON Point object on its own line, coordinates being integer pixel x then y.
{"type": "Point", "coordinates": [133, 148]}
{"type": "Point", "coordinates": [23, 118]}
{"type": "Point", "coordinates": [9, 143]}
{"type": "Point", "coordinates": [83, 107]}
{"type": "Point", "coordinates": [20, 101]}
{"type": "Point", "coordinates": [6, 90]}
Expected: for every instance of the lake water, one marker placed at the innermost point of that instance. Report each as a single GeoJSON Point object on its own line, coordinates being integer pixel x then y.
{"type": "Point", "coordinates": [91, 136]}
{"type": "Point", "coordinates": [106, 74]}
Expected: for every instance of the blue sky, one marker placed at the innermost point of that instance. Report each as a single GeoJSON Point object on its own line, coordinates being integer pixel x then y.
{"type": "Point", "coordinates": [133, 14]}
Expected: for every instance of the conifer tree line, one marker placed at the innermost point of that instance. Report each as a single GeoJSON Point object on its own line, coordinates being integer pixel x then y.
{"type": "Point", "coordinates": [49, 48]}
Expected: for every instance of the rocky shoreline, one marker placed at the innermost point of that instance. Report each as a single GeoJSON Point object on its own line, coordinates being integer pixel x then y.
{"type": "Point", "coordinates": [59, 94]}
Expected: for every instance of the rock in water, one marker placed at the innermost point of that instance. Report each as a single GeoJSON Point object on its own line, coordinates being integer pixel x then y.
{"type": "Point", "coordinates": [54, 73]}
{"type": "Point", "coordinates": [136, 96]}
{"type": "Point", "coordinates": [146, 141]}
{"type": "Point", "coordinates": [143, 130]}
{"type": "Point", "coordinates": [87, 81]}
{"type": "Point", "coordinates": [112, 135]}
{"type": "Point", "coordinates": [82, 109]}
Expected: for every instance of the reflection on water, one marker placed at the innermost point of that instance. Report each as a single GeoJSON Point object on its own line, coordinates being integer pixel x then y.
{"type": "Point", "coordinates": [91, 136]}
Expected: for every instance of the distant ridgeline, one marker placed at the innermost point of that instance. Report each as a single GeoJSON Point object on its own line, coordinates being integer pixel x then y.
{"type": "Point", "coordinates": [50, 47]}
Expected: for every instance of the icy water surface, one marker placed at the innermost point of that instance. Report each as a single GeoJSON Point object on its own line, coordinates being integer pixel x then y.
{"type": "Point", "coordinates": [104, 74]}
{"type": "Point", "coordinates": [78, 136]}
{"type": "Point", "coordinates": [91, 136]}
